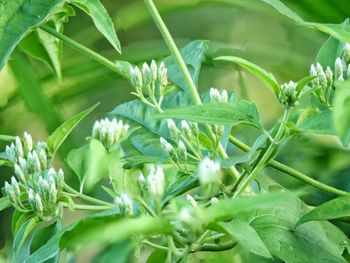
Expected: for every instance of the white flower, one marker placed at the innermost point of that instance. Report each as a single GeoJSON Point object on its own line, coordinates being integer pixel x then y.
{"type": "Point", "coordinates": [214, 95]}
{"type": "Point", "coordinates": [338, 69]}
{"type": "Point", "coordinates": [209, 171]}
{"type": "Point", "coordinates": [167, 147]}
{"type": "Point", "coordinates": [191, 200]}
{"type": "Point", "coordinates": [156, 181]}
{"type": "Point", "coordinates": [125, 204]}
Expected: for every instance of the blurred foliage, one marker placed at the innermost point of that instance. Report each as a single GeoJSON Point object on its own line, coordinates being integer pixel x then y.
{"type": "Point", "coordinates": [33, 99]}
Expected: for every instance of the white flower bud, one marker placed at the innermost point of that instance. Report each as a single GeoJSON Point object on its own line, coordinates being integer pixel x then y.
{"type": "Point", "coordinates": [38, 204]}
{"type": "Point", "coordinates": [186, 128]}
{"type": "Point", "coordinates": [136, 77]}
{"type": "Point", "coordinates": [15, 186]}
{"type": "Point", "coordinates": [338, 69]}
{"type": "Point", "coordinates": [224, 96]}
{"type": "Point", "coordinates": [154, 70]}
{"type": "Point", "coordinates": [321, 75]}
{"type": "Point", "coordinates": [19, 147]}
{"type": "Point", "coordinates": [163, 77]}
{"type": "Point", "coordinates": [288, 95]}
{"type": "Point", "coordinates": [96, 130]}
{"type": "Point", "coordinates": [174, 132]}
{"type": "Point", "coordinates": [156, 181]}
{"type": "Point", "coordinates": [146, 74]}
{"type": "Point", "coordinates": [214, 200]}
{"type": "Point", "coordinates": [19, 173]}
{"type": "Point", "coordinates": [36, 162]}
{"type": "Point", "coordinates": [125, 204]}
{"type": "Point", "coordinates": [191, 200]}
{"type": "Point", "coordinates": [214, 95]}
{"type": "Point", "coordinates": [27, 142]}
{"type": "Point", "coordinates": [209, 172]}
{"type": "Point", "coordinates": [142, 182]}
{"type": "Point", "coordinates": [23, 164]}
{"type": "Point", "coordinates": [194, 128]}
{"type": "Point", "coordinates": [10, 193]}
{"type": "Point", "coordinates": [347, 53]}
{"type": "Point", "coordinates": [167, 147]}
{"type": "Point", "coordinates": [348, 72]}
{"type": "Point", "coordinates": [182, 150]}
{"type": "Point", "coordinates": [43, 159]}
{"type": "Point", "coordinates": [11, 154]}
{"type": "Point", "coordinates": [329, 76]}
{"type": "Point", "coordinates": [53, 194]}
{"type": "Point", "coordinates": [315, 82]}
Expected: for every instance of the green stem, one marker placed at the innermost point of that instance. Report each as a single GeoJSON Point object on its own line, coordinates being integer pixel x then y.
{"type": "Point", "coordinates": [266, 155]}
{"type": "Point", "coordinates": [153, 245]}
{"type": "Point", "coordinates": [85, 197]}
{"type": "Point", "coordinates": [292, 172]}
{"type": "Point", "coordinates": [184, 70]}
{"type": "Point", "coordinates": [86, 51]}
{"type": "Point", "coordinates": [90, 207]}
{"type": "Point", "coordinates": [220, 247]}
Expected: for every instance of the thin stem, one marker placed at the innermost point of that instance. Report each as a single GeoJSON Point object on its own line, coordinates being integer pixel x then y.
{"type": "Point", "coordinates": [89, 207]}
{"type": "Point", "coordinates": [85, 197]}
{"type": "Point", "coordinates": [88, 52]}
{"type": "Point", "coordinates": [153, 245]}
{"type": "Point", "coordinates": [291, 171]}
{"type": "Point", "coordinates": [266, 155]}
{"type": "Point", "coordinates": [148, 209]}
{"type": "Point", "coordinates": [184, 70]}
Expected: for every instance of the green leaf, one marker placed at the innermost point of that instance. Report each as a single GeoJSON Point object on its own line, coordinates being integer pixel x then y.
{"type": "Point", "coordinates": [246, 236]}
{"type": "Point", "coordinates": [284, 10]}
{"type": "Point", "coordinates": [341, 111]}
{"type": "Point", "coordinates": [20, 252]}
{"type": "Point", "coordinates": [157, 256]}
{"type": "Point", "coordinates": [193, 55]}
{"type": "Point", "coordinates": [240, 112]}
{"type": "Point", "coordinates": [303, 82]}
{"type": "Point", "coordinates": [120, 252]}
{"type": "Point", "coordinates": [313, 120]}
{"type": "Point", "coordinates": [330, 50]}
{"type": "Point", "coordinates": [60, 134]}
{"type": "Point", "coordinates": [333, 209]}
{"type": "Point", "coordinates": [4, 203]}
{"type": "Point", "coordinates": [267, 78]}
{"type": "Point", "coordinates": [18, 218]}
{"type": "Point", "coordinates": [7, 138]}
{"type": "Point", "coordinates": [101, 19]}
{"type": "Point", "coordinates": [104, 230]}
{"type": "Point", "coordinates": [17, 18]}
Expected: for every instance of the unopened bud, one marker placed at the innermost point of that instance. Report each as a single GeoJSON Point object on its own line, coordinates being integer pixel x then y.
{"type": "Point", "coordinates": [11, 154]}
{"type": "Point", "coordinates": [186, 128]}
{"type": "Point", "coordinates": [194, 128]}
{"type": "Point", "coordinates": [338, 69]}
{"type": "Point", "coordinates": [209, 171]}
{"type": "Point", "coordinates": [347, 53]}
{"type": "Point", "coordinates": [23, 164]}
{"type": "Point", "coordinates": [315, 82]}
{"type": "Point", "coordinates": [163, 75]}
{"type": "Point", "coordinates": [215, 95]}
{"type": "Point", "coordinates": [19, 147]}
{"type": "Point", "coordinates": [329, 76]}
{"type": "Point", "coordinates": [142, 182]}
{"type": "Point", "coordinates": [156, 181]}
{"type": "Point", "coordinates": [182, 150]}
{"type": "Point", "coordinates": [191, 200]}
{"type": "Point", "coordinates": [38, 204]}
{"type": "Point", "coordinates": [10, 193]}
{"type": "Point", "coordinates": [125, 204]}
{"type": "Point", "coordinates": [173, 130]}
{"type": "Point", "coordinates": [321, 76]}
{"type": "Point", "coordinates": [27, 142]}
{"type": "Point", "coordinates": [19, 173]}
{"type": "Point", "coordinates": [36, 162]}
{"type": "Point", "coordinates": [154, 70]}
{"type": "Point", "coordinates": [288, 95]}
{"type": "Point", "coordinates": [214, 200]}
{"type": "Point", "coordinates": [224, 96]}
{"type": "Point", "coordinates": [43, 159]}
{"type": "Point", "coordinates": [136, 77]}
{"type": "Point", "coordinates": [146, 74]}
{"type": "Point", "coordinates": [15, 186]}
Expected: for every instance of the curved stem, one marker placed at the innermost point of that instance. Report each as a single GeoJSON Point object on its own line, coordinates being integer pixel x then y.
{"type": "Point", "coordinates": [86, 197]}
{"type": "Point", "coordinates": [266, 155]}
{"type": "Point", "coordinates": [291, 171]}
{"type": "Point", "coordinates": [184, 70]}
{"type": "Point", "coordinates": [89, 207]}
{"type": "Point", "coordinates": [86, 51]}
{"type": "Point", "coordinates": [153, 245]}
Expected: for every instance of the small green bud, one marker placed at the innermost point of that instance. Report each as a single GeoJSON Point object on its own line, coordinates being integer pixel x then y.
{"type": "Point", "coordinates": [288, 95]}
{"type": "Point", "coordinates": [194, 128]}
{"type": "Point", "coordinates": [125, 204]}
{"type": "Point", "coordinates": [146, 74]}
{"type": "Point", "coordinates": [141, 181]}
{"type": "Point", "coordinates": [182, 150]}
{"type": "Point", "coordinates": [329, 76]}
{"type": "Point", "coordinates": [224, 96]}
{"type": "Point", "coordinates": [52, 194]}
{"type": "Point", "coordinates": [321, 76]}
{"type": "Point", "coordinates": [39, 208]}
{"type": "Point", "coordinates": [348, 72]}
{"type": "Point", "coordinates": [136, 78]}
{"type": "Point", "coordinates": [96, 130]}
{"type": "Point", "coordinates": [10, 193]}
{"type": "Point", "coordinates": [59, 179]}
{"type": "Point", "coordinates": [43, 159]}
{"type": "Point", "coordinates": [347, 53]}
{"type": "Point", "coordinates": [315, 82]}
{"type": "Point", "coordinates": [19, 173]}
{"type": "Point", "coordinates": [186, 128]}
{"type": "Point", "coordinates": [173, 130]}
{"type": "Point", "coordinates": [219, 130]}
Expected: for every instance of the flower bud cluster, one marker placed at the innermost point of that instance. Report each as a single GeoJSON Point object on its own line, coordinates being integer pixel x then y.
{"type": "Point", "coordinates": [216, 96]}
{"type": "Point", "coordinates": [35, 186]}
{"type": "Point", "coordinates": [156, 182]}
{"type": "Point", "coordinates": [152, 79]}
{"type": "Point", "coordinates": [125, 204]}
{"type": "Point", "coordinates": [288, 95]}
{"type": "Point", "coordinates": [110, 132]}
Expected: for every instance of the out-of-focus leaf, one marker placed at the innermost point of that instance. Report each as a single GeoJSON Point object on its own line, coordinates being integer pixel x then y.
{"type": "Point", "coordinates": [7, 138]}
{"type": "Point", "coordinates": [60, 134]}
{"type": "Point", "coordinates": [18, 219]}
{"type": "Point", "coordinates": [4, 203]}
{"type": "Point", "coordinates": [241, 112]}
{"type": "Point", "coordinates": [101, 19]}
{"type": "Point", "coordinates": [333, 209]}
{"type": "Point", "coordinates": [17, 18]}
{"type": "Point", "coordinates": [193, 55]}
{"type": "Point", "coordinates": [267, 78]}
{"type": "Point", "coordinates": [284, 10]}
{"type": "Point", "coordinates": [120, 252]}
{"type": "Point", "coordinates": [180, 185]}
{"type": "Point", "coordinates": [246, 236]}
{"type": "Point", "coordinates": [157, 256]}
{"type": "Point", "coordinates": [341, 111]}
{"type": "Point", "coordinates": [112, 229]}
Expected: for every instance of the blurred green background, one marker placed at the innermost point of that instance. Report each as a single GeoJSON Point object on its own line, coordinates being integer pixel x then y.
{"type": "Point", "coordinates": [246, 28]}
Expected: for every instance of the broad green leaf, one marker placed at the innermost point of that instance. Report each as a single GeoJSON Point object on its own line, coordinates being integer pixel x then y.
{"type": "Point", "coordinates": [60, 134]}
{"type": "Point", "coordinates": [93, 162]}
{"type": "Point", "coordinates": [313, 120]}
{"type": "Point", "coordinates": [104, 230]}
{"type": "Point", "coordinates": [338, 31]}
{"type": "Point", "coordinates": [284, 10]}
{"type": "Point", "coordinates": [43, 235]}
{"type": "Point", "coordinates": [120, 252]}
{"type": "Point", "coordinates": [7, 138]}
{"type": "Point", "coordinates": [101, 19]}
{"type": "Point", "coordinates": [330, 50]}
{"type": "Point", "coordinates": [303, 82]}
{"type": "Point", "coordinates": [157, 256]}
{"type": "Point", "coordinates": [17, 18]}
{"type": "Point", "coordinates": [4, 203]}
{"type": "Point", "coordinates": [241, 112]}
{"type": "Point", "coordinates": [193, 55]}
{"type": "Point", "coordinates": [341, 111]}
{"type": "Point", "coordinates": [18, 218]}
{"type": "Point", "coordinates": [20, 252]}
{"type": "Point", "coordinates": [333, 209]}
{"type": "Point", "coordinates": [267, 78]}
{"type": "Point", "coordinates": [246, 236]}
